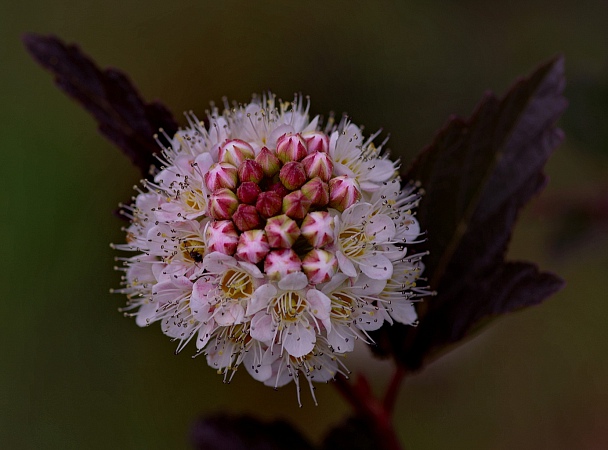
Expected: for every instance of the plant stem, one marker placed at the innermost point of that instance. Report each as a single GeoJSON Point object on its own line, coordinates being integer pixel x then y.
{"type": "Point", "coordinates": [361, 398]}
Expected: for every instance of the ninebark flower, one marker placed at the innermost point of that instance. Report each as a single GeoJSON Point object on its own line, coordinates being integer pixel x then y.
{"type": "Point", "coordinates": [273, 243]}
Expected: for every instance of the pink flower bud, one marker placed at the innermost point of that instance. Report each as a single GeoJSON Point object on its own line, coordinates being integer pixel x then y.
{"type": "Point", "coordinates": [318, 228]}
{"type": "Point", "coordinates": [279, 263]}
{"type": "Point", "coordinates": [246, 217]}
{"type": "Point", "coordinates": [344, 191]}
{"type": "Point", "coordinates": [318, 165]}
{"type": "Point", "coordinates": [319, 266]}
{"type": "Point", "coordinates": [291, 147]}
{"type": "Point", "coordinates": [317, 191]}
{"type": "Point", "coordinates": [292, 175]}
{"type": "Point", "coordinates": [279, 189]}
{"type": "Point", "coordinates": [317, 141]}
{"type": "Point", "coordinates": [269, 162]}
{"type": "Point", "coordinates": [221, 175]}
{"type": "Point", "coordinates": [248, 192]}
{"type": "Point", "coordinates": [253, 246]}
{"type": "Point", "coordinates": [222, 237]}
{"type": "Point", "coordinates": [296, 205]}
{"type": "Point", "coordinates": [269, 204]}
{"type": "Point", "coordinates": [222, 203]}
{"type": "Point", "coordinates": [249, 170]}
{"type": "Point", "coordinates": [281, 231]}
{"type": "Point", "coordinates": [235, 151]}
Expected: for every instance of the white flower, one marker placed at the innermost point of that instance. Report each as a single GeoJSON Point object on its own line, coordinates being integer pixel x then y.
{"type": "Point", "coordinates": [272, 242]}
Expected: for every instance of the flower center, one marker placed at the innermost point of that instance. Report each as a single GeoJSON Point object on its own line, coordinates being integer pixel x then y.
{"type": "Point", "coordinates": [288, 306]}
{"type": "Point", "coordinates": [342, 306]}
{"type": "Point", "coordinates": [236, 284]}
{"type": "Point", "coordinates": [354, 242]}
{"type": "Point", "coordinates": [194, 200]}
{"type": "Point", "coordinates": [192, 250]}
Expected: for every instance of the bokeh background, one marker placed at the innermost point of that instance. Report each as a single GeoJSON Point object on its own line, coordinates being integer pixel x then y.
{"type": "Point", "coordinates": [74, 373]}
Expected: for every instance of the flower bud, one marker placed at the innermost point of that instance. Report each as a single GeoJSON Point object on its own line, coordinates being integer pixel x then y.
{"type": "Point", "coordinates": [344, 191]}
{"type": "Point", "coordinates": [248, 192]}
{"type": "Point", "coordinates": [279, 263]}
{"type": "Point", "coordinates": [246, 217]}
{"type": "Point", "coordinates": [317, 192]}
{"type": "Point", "coordinates": [318, 165]}
{"type": "Point", "coordinates": [269, 204]}
{"type": "Point", "coordinates": [319, 266]}
{"type": "Point", "coordinates": [222, 203]}
{"type": "Point", "coordinates": [281, 231]}
{"type": "Point", "coordinates": [278, 188]}
{"type": "Point", "coordinates": [318, 228]}
{"type": "Point", "coordinates": [269, 162]}
{"type": "Point", "coordinates": [317, 141]}
{"type": "Point", "coordinates": [221, 175]}
{"type": "Point", "coordinates": [253, 246]}
{"type": "Point", "coordinates": [296, 205]}
{"type": "Point", "coordinates": [291, 147]}
{"type": "Point", "coordinates": [249, 170]}
{"type": "Point", "coordinates": [222, 237]}
{"type": "Point", "coordinates": [292, 175]}
{"type": "Point", "coordinates": [235, 151]}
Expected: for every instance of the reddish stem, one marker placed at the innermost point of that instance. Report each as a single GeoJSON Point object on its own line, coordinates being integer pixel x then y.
{"type": "Point", "coordinates": [360, 396]}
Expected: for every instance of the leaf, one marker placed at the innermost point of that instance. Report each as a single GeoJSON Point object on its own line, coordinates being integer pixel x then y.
{"type": "Point", "coordinates": [122, 116]}
{"type": "Point", "coordinates": [355, 433]}
{"type": "Point", "coordinates": [477, 175]}
{"type": "Point", "coordinates": [222, 432]}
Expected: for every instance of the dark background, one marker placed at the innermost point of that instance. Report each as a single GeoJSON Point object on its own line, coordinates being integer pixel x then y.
{"type": "Point", "coordinates": [76, 374]}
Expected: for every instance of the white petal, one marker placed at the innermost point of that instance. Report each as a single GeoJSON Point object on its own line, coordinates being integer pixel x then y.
{"type": "Point", "coordinates": [377, 267]}
{"type": "Point", "coordinates": [293, 282]}
{"type": "Point", "coordinates": [403, 311]}
{"type": "Point", "coordinates": [341, 339]}
{"type": "Point", "coordinates": [262, 328]}
{"type": "Point", "coordinates": [217, 262]}
{"type": "Point", "coordinates": [146, 314]}
{"type": "Point", "coordinates": [346, 265]}
{"type": "Point", "coordinates": [204, 334]}
{"type": "Point", "coordinates": [299, 340]}
{"type": "Point", "coordinates": [381, 227]}
{"type": "Point", "coordinates": [260, 298]}
{"type": "Point", "coordinates": [320, 305]}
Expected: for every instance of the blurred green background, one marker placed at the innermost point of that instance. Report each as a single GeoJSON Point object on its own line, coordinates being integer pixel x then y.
{"type": "Point", "coordinates": [76, 374]}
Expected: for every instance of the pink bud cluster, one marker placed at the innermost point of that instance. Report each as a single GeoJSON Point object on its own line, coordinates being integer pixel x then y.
{"type": "Point", "coordinates": [278, 195]}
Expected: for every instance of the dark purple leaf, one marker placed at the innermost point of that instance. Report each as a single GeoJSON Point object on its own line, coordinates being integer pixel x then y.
{"type": "Point", "coordinates": [355, 433]}
{"type": "Point", "coordinates": [122, 115]}
{"type": "Point", "coordinates": [477, 174]}
{"type": "Point", "coordinates": [224, 432]}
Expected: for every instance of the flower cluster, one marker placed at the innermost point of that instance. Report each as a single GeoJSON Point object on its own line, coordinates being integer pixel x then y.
{"type": "Point", "coordinates": [272, 242]}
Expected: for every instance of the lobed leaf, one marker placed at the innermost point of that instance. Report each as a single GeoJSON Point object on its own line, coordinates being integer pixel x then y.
{"type": "Point", "coordinates": [222, 432]}
{"type": "Point", "coordinates": [122, 116]}
{"type": "Point", "coordinates": [477, 174]}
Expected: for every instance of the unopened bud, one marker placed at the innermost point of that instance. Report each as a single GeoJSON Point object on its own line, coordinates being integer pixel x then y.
{"type": "Point", "coordinates": [278, 188]}
{"type": "Point", "coordinates": [281, 231]}
{"type": "Point", "coordinates": [296, 205]}
{"type": "Point", "coordinates": [317, 141]}
{"type": "Point", "coordinates": [318, 165]}
{"type": "Point", "coordinates": [221, 175]}
{"type": "Point", "coordinates": [248, 192]}
{"type": "Point", "coordinates": [318, 228]}
{"type": "Point", "coordinates": [249, 170]}
{"type": "Point", "coordinates": [292, 175]}
{"type": "Point", "coordinates": [317, 191]}
{"type": "Point", "coordinates": [269, 162]}
{"type": "Point", "coordinates": [344, 191]}
{"type": "Point", "coordinates": [246, 217]}
{"type": "Point", "coordinates": [279, 263]}
{"type": "Point", "coordinates": [291, 147]}
{"type": "Point", "coordinates": [269, 204]}
{"type": "Point", "coordinates": [222, 237]}
{"type": "Point", "coordinates": [222, 203]}
{"type": "Point", "coordinates": [253, 246]}
{"type": "Point", "coordinates": [319, 266]}
{"type": "Point", "coordinates": [235, 151]}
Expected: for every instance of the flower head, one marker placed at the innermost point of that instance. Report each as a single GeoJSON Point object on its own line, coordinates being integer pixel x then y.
{"type": "Point", "coordinates": [272, 242]}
